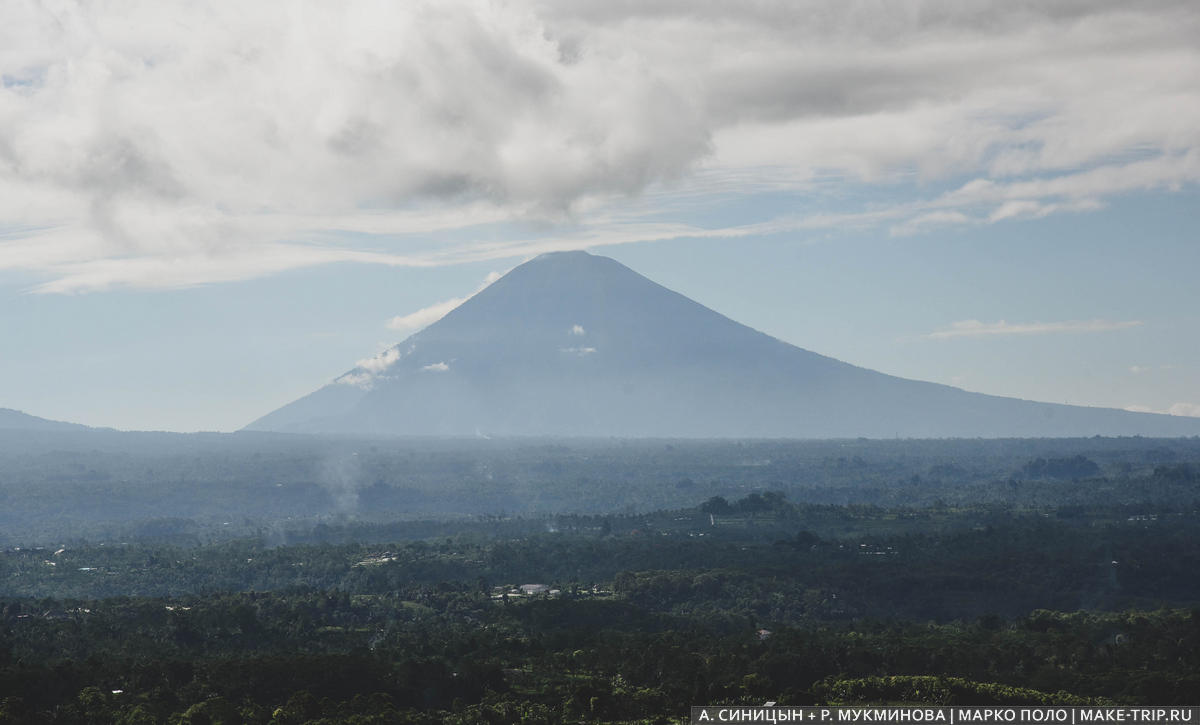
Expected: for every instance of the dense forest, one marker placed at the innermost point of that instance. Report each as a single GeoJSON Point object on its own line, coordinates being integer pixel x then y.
{"type": "Point", "coordinates": [112, 485]}
{"type": "Point", "coordinates": [654, 576]}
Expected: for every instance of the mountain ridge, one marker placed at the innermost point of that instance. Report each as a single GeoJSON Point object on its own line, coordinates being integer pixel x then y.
{"type": "Point", "coordinates": [11, 419]}
{"type": "Point", "coordinates": [574, 344]}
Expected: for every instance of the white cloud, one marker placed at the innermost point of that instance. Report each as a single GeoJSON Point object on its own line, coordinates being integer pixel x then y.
{"type": "Point", "coordinates": [1188, 409]}
{"type": "Point", "coordinates": [577, 330]}
{"type": "Point", "coordinates": [437, 367]}
{"type": "Point", "coordinates": [184, 142]}
{"type": "Point", "coordinates": [366, 370]}
{"type": "Point", "coordinates": [358, 379]}
{"type": "Point", "coordinates": [580, 351]}
{"type": "Point", "coordinates": [975, 328]}
{"type": "Point", "coordinates": [380, 362]}
{"type": "Point", "coordinates": [426, 316]}
{"type": "Point", "coordinates": [930, 219]}
{"type": "Point", "coordinates": [1184, 409]}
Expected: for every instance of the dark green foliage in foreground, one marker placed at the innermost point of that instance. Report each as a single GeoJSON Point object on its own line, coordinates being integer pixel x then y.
{"type": "Point", "coordinates": [273, 579]}
{"type": "Point", "coordinates": [931, 690]}
{"type": "Point", "coordinates": [790, 564]}
{"type": "Point", "coordinates": [849, 605]}
{"type": "Point", "coordinates": [570, 659]}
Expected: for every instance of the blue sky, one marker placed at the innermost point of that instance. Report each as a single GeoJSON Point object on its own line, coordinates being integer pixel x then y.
{"type": "Point", "coordinates": [201, 220]}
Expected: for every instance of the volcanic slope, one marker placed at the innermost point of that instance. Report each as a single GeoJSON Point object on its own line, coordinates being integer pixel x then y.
{"type": "Point", "coordinates": [572, 344]}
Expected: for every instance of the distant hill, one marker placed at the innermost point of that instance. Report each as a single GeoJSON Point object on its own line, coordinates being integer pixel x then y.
{"type": "Point", "coordinates": [16, 420]}
{"type": "Point", "coordinates": [572, 344]}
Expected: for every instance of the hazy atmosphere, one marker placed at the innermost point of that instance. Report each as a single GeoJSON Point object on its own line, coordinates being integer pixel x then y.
{"type": "Point", "coordinates": [599, 362]}
{"type": "Point", "coordinates": [208, 210]}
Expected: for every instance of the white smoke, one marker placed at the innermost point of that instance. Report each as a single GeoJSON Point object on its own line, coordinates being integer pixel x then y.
{"type": "Point", "coordinates": [341, 477]}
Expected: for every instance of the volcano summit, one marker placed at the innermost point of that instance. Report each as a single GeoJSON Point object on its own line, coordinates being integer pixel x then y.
{"type": "Point", "coordinates": [572, 344]}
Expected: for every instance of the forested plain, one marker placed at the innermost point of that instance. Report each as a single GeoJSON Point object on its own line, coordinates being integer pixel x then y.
{"type": "Point", "coordinates": [149, 578]}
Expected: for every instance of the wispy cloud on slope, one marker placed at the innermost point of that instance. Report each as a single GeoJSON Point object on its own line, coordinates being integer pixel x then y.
{"type": "Point", "coordinates": [426, 316]}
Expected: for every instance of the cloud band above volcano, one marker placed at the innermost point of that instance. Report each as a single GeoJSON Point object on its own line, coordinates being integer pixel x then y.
{"type": "Point", "coordinates": [168, 144]}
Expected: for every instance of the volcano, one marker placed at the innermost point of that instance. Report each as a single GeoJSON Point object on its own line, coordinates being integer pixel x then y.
{"type": "Point", "coordinates": [573, 344]}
